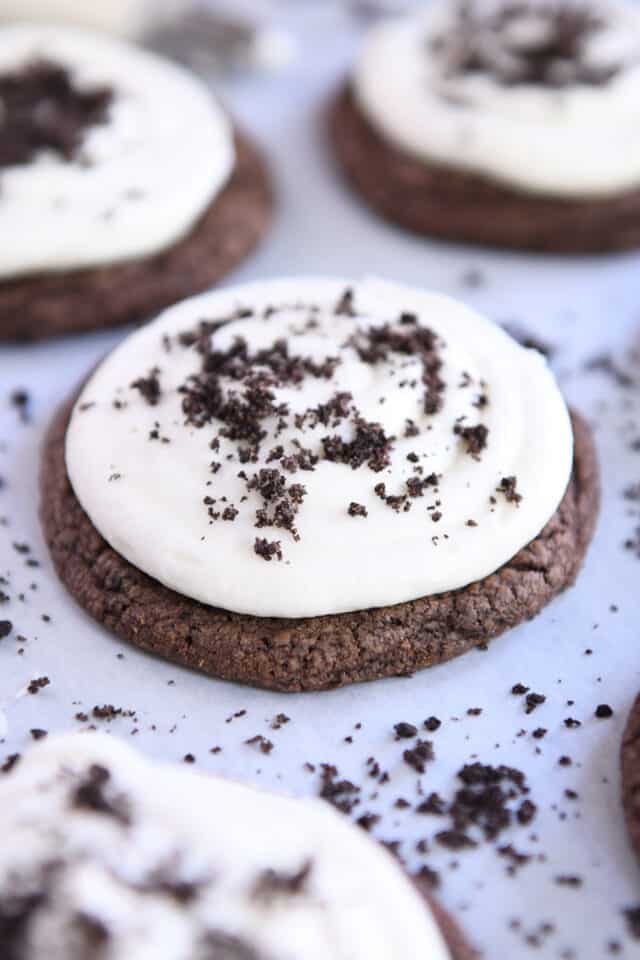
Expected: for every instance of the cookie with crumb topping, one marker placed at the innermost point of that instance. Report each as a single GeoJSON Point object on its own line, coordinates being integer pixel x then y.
{"type": "Point", "coordinates": [127, 191]}
{"type": "Point", "coordinates": [297, 543]}
{"type": "Point", "coordinates": [506, 125]}
{"type": "Point", "coordinates": [282, 870]}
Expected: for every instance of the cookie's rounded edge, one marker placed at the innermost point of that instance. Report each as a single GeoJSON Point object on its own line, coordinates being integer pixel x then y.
{"type": "Point", "coordinates": [316, 653]}
{"type": "Point", "coordinates": [48, 305]}
{"type": "Point", "coordinates": [457, 943]}
{"type": "Point", "coordinates": [461, 207]}
{"type": "Point", "coordinates": [630, 767]}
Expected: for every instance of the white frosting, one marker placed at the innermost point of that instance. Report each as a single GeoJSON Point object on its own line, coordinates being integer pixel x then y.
{"type": "Point", "coordinates": [147, 175]}
{"type": "Point", "coordinates": [579, 140]}
{"type": "Point", "coordinates": [356, 903]}
{"type": "Point", "coordinates": [125, 17]}
{"type": "Point", "coordinates": [151, 510]}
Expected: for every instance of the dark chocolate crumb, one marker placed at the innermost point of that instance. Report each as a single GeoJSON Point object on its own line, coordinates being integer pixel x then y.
{"type": "Point", "coordinates": [432, 724]}
{"type": "Point", "coordinates": [268, 549]}
{"type": "Point", "coordinates": [265, 746]}
{"type": "Point", "coordinates": [475, 438]}
{"type": "Point", "coordinates": [507, 487]}
{"type": "Point", "coordinates": [405, 731]}
{"type": "Point", "coordinates": [568, 880]}
{"type": "Point", "coordinates": [10, 763]}
{"type": "Point", "coordinates": [533, 701]}
{"type": "Point", "coordinates": [419, 756]}
{"type": "Point", "coordinates": [603, 711]}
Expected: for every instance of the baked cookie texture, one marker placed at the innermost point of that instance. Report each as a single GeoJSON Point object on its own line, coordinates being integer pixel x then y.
{"type": "Point", "coordinates": [630, 763]}
{"type": "Point", "coordinates": [314, 653]}
{"type": "Point", "coordinates": [455, 205]}
{"type": "Point", "coordinates": [78, 301]}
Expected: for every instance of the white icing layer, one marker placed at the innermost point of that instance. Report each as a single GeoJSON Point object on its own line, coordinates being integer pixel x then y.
{"type": "Point", "coordinates": [146, 497]}
{"type": "Point", "coordinates": [146, 176]}
{"type": "Point", "coordinates": [576, 140]}
{"type": "Point", "coordinates": [211, 836]}
{"type": "Point", "coordinates": [125, 17]}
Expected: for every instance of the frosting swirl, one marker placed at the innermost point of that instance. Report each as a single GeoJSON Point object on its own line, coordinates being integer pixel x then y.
{"type": "Point", "coordinates": [103, 850]}
{"type": "Point", "coordinates": [141, 171]}
{"type": "Point", "coordinates": [308, 447]}
{"type": "Point", "coordinates": [537, 94]}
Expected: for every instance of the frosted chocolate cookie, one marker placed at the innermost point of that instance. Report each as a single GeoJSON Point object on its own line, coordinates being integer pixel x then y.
{"type": "Point", "coordinates": [630, 758]}
{"type": "Point", "coordinates": [500, 123]}
{"type": "Point", "coordinates": [108, 854]}
{"type": "Point", "coordinates": [304, 483]}
{"type": "Point", "coordinates": [123, 187]}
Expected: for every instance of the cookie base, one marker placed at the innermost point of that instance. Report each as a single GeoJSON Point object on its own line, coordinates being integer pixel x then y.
{"type": "Point", "coordinates": [314, 653]}
{"type": "Point", "coordinates": [451, 204]}
{"type": "Point", "coordinates": [48, 305]}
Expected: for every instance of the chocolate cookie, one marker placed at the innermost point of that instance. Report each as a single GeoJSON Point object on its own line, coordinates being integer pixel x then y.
{"type": "Point", "coordinates": [196, 891]}
{"type": "Point", "coordinates": [630, 759]}
{"type": "Point", "coordinates": [318, 652]}
{"type": "Point", "coordinates": [47, 305]}
{"type": "Point", "coordinates": [463, 207]}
